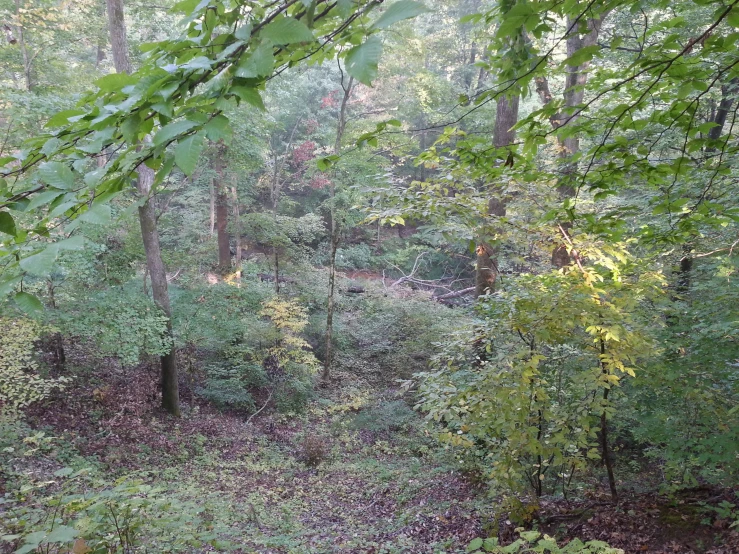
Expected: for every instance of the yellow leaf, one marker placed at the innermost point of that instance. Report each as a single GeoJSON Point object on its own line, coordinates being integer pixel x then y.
{"type": "Point", "coordinates": [80, 547]}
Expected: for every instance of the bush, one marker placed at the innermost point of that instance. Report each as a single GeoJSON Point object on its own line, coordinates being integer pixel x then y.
{"type": "Point", "coordinates": [20, 381]}
{"type": "Point", "coordinates": [124, 516]}
{"type": "Point", "coordinates": [121, 322]}
{"type": "Point", "coordinates": [227, 393]}
{"type": "Point", "coordinates": [356, 256]}
{"type": "Point", "coordinates": [533, 541]}
{"type": "Point", "coordinates": [385, 417]}
{"type": "Point", "coordinates": [313, 450]}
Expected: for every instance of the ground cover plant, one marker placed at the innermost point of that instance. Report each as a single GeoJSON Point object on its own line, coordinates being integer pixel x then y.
{"type": "Point", "coordinates": [368, 276]}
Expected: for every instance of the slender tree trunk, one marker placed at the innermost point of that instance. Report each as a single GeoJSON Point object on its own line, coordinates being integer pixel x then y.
{"type": "Point", "coordinates": [224, 242]}
{"type": "Point", "coordinates": [60, 357]}
{"type": "Point", "coordinates": [212, 189]}
{"type": "Point", "coordinates": [486, 273]}
{"type": "Point", "coordinates": [159, 290]}
{"type": "Point", "coordinates": [24, 49]}
{"type": "Point", "coordinates": [605, 449]}
{"type": "Point", "coordinates": [148, 222]}
{"type": "Point", "coordinates": [334, 238]}
{"type": "Point", "coordinates": [237, 230]}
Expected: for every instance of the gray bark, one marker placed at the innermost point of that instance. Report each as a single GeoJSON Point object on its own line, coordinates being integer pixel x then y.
{"type": "Point", "coordinates": [486, 272]}
{"type": "Point", "coordinates": [335, 235]}
{"type": "Point", "coordinates": [148, 222]}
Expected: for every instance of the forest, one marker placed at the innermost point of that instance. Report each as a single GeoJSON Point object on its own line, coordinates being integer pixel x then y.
{"type": "Point", "coordinates": [369, 276]}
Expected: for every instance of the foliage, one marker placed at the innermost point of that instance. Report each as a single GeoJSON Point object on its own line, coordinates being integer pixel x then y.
{"type": "Point", "coordinates": [313, 450]}
{"type": "Point", "coordinates": [121, 323]}
{"type": "Point", "coordinates": [385, 417]}
{"type": "Point", "coordinates": [117, 517]}
{"type": "Point", "coordinates": [20, 381]}
{"type": "Point", "coordinates": [527, 392]}
{"type": "Point", "coordinates": [533, 541]}
{"type": "Point", "coordinates": [289, 320]}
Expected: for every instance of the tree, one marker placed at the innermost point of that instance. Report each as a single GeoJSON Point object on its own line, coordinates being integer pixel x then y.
{"type": "Point", "coordinates": [178, 96]}
{"type": "Point", "coordinates": [486, 269]}
{"type": "Point", "coordinates": [335, 230]}
{"type": "Point", "coordinates": [148, 222]}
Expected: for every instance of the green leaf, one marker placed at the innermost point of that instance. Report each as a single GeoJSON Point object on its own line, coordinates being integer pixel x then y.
{"type": "Point", "coordinates": [57, 175]}
{"type": "Point", "coordinates": [405, 9]}
{"type": "Point", "coordinates": [43, 198]}
{"type": "Point", "coordinates": [218, 128]}
{"type": "Point", "coordinates": [345, 7]}
{"type": "Point", "coordinates": [7, 224]}
{"type": "Point", "coordinates": [76, 242]}
{"type": "Point", "coordinates": [168, 132]}
{"type": "Point", "coordinates": [28, 302]}
{"type": "Point", "coordinates": [8, 285]}
{"type": "Point", "coordinates": [258, 63]}
{"type": "Point", "coordinates": [187, 153]}
{"type": "Point", "coordinates": [250, 96]}
{"type": "Point", "coordinates": [583, 55]}
{"type": "Point", "coordinates": [62, 118]}
{"type": "Point", "coordinates": [243, 32]}
{"type": "Point", "coordinates": [186, 6]}
{"type": "Point", "coordinates": [361, 61]}
{"type": "Point", "coordinates": [63, 534]}
{"type": "Point", "coordinates": [287, 30]}
{"type": "Point", "coordinates": [115, 81]}
{"type": "Point", "coordinates": [99, 214]}
{"type": "Point", "coordinates": [40, 264]}
{"type": "Point", "coordinates": [476, 544]}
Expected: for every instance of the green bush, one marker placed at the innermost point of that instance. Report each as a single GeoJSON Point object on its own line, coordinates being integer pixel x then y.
{"type": "Point", "coordinates": [533, 542]}
{"type": "Point", "coordinates": [120, 517]}
{"type": "Point", "coordinates": [385, 417]}
{"type": "Point", "coordinates": [21, 383]}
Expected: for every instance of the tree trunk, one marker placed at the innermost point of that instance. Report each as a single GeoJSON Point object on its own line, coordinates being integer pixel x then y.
{"type": "Point", "coordinates": [60, 357]}
{"type": "Point", "coordinates": [224, 242]}
{"type": "Point", "coordinates": [24, 50]}
{"type": "Point", "coordinates": [159, 290]}
{"type": "Point", "coordinates": [574, 93]}
{"type": "Point", "coordinates": [486, 272]}
{"type": "Point", "coordinates": [605, 449]}
{"type": "Point", "coordinates": [237, 229]}
{"type": "Point", "coordinates": [148, 222]}
{"type": "Point", "coordinates": [212, 190]}
{"type": "Point", "coordinates": [335, 236]}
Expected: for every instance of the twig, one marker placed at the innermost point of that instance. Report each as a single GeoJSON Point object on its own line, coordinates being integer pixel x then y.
{"type": "Point", "coordinates": [455, 294]}
{"type": "Point", "coordinates": [255, 414]}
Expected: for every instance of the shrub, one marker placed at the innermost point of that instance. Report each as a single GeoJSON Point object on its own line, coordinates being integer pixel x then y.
{"type": "Point", "coordinates": [123, 516]}
{"type": "Point", "coordinates": [533, 541]}
{"type": "Point", "coordinates": [313, 450]}
{"type": "Point", "coordinates": [385, 417]}
{"type": "Point", "coordinates": [121, 323]}
{"type": "Point", "coordinates": [356, 256]}
{"type": "Point", "coordinates": [20, 381]}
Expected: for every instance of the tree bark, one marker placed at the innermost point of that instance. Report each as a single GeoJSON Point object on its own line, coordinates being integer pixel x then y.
{"type": "Point", "coordinates": [212, 190]}
{"type": "Point", "coordinates": [486, 271]}
{"type": "Point", "coordinates": [237, 229]}
{"type": "Point", "coordinates": [27, 72]}
{"type": "Point", "coordinates": [148, 222]}
{"type": "Point", "coordinates": [574, 93]}
{"type": "Point", "coordinates": [224, 242]}
{"type": "Point", "coordinates": [605, 449]}
{"type": "Point", "coordinates": [335, 236]}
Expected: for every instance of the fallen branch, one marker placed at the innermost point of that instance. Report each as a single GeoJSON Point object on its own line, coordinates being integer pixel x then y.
{"type": "Point", "coordinates": [455, 294]}
{"type": "Point", "coordinates": [255, 414]}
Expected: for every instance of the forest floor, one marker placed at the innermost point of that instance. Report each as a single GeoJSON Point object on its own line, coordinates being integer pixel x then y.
{"type": "Point", "coordinates": [355, 473]}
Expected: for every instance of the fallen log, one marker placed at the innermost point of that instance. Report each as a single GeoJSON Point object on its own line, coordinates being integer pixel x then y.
{"type": "Point", "coordinates": [455, 294]}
